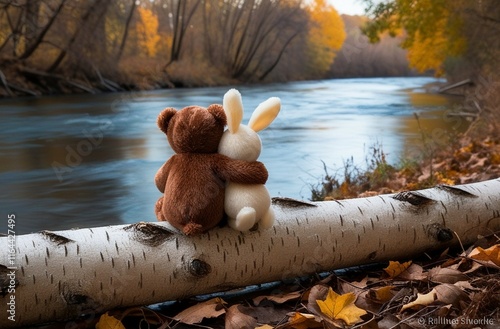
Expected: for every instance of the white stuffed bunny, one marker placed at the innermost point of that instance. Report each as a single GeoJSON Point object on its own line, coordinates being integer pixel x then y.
{"type": "Point", "coordinates": [246, 204]}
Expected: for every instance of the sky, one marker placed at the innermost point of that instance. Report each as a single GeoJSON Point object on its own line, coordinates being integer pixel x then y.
{"type": "Point", "coordinates": [349, 7]}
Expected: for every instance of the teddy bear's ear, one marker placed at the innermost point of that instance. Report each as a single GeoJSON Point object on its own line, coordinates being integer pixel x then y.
{"type": "Point", "coordinates": [164, 118]}
{"type": "Point", "coordinates": [218, 112]}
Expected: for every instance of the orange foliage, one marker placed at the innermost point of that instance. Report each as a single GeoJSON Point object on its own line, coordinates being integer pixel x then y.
{"type": "Point", "coordinates": [147, 30]}
{"type": "Point", "coordinates": [326, 35]}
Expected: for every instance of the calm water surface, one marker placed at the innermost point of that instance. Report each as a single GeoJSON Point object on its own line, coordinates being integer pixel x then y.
{"type": "Point", "coordinates": [90, 160]}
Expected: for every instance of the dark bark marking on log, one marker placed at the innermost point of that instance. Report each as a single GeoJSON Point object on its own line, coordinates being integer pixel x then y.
{"type": "Point", "coordinates": [199, 268]}
{"type": "Point", "coordinates": [55, 238]}
{"type": "Point", "coordinates": [128, 264]}
{"type": "Point", "coordinates": [81, 262]}
{"type": "Point", "coordinates": [444, 206]}
{"type": "Point", "coordinates": [22, 270]}
{"type": "Point", "coordinates": [112, 262]}
{"type": "Point", "coordinates": [102, 256]}
{"type": "Point", "coordinates": [354, 223]}
{"type": "Point", "coordinates": [133, 259]}
{"type": "Point", "coordinates": [65, 251]}
{"type": "Point", "coordinates": [116, 247]}
{"type": "Point", "coordinates": [443, 219]}
{"type": "Point", "coordinates": [5, 280]}
{"type": "Point", "coordinates": [107, 236]}
{"type": "Point", "coordinates": [413, 197]}
{"type": "Point", "coordinates": [78, 249]}
{"type": "Point", "coordinates": [47, 252]}
{"type": "Point", "coordinates": [341, 221]}
{"type": "Point", "coordinates": [372, 255]}
{"type": "Point", "coordinates": [456, 190]}
{"type": "Point", "coordinates": [34, 279]}
{"type": "Point", "coordinates": [291, 203]}
{"type": "Point", "coordinates": [144, 255]}
{"type": "Point", "coordinates": [64, 270]}
{"type": "Point", "coordinates": [149, 234]}
{"type": "Point", "coordinates": [373, 225]}
{"type": "Point", "coordinates": [36, 299]}
{"type": "Point", "coordinates": [46, 262]}
{"type": "Point", "coordinates": [140, 280]}
{"type": "Point", "coordinates": [359, 239]}
{"type": "Point", "coordinates": [439, 232]}
{"type": "Point", "coordinates": [361, 211]}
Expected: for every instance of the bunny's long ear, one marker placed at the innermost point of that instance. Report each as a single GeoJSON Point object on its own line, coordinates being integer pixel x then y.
{"type": "Point", "coordinates": [264, 114]}
{"type": "Point", "coordinates": [233, 106]}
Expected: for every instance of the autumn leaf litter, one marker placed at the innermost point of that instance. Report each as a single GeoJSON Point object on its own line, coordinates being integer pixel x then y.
{"type": "Point", "coordinates": [440, 291]}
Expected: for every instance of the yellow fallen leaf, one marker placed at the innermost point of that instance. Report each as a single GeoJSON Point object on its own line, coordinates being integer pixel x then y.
{"type": "Point", "coordinates": [396, 268]}
{"type": "Point", "coordinates": [109, 322]}
{"type": "Point", "coordinates": [383, 294]}
{"type": "Point", "coordinates": [341, 307]}
{"type": "Point", "coordinates": [491, 254]}
{"type": "Point", "coordinates": [299, 320]}
{"type": "Point", "coordinates": [266, 326]}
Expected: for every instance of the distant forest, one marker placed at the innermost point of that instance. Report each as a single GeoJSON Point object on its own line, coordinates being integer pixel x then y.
{"type": "Point", "coordinates": [53, 46]}
{"type": "Point", "coordinates": [66, 46]}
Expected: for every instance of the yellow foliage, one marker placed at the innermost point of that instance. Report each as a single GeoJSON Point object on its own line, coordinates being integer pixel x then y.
{"type": "Point", "coordinates": [326, 35]}
{"type": "Point", "coordinates": [341, 307]}
{"type": "Point", "coordinates": [429, 53]}
{"type": "Point", "coordinates": [109, 322]}
{"type": "Point", "coordinates": [147, 30]}
{"type": "Point", "coordinates": [396, 268]}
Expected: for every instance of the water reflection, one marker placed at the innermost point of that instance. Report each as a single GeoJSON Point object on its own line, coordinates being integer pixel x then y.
{"type": "Point", "coordinates": [90, 160]}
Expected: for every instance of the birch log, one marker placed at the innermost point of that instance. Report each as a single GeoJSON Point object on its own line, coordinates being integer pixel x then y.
{"type": "Point", "coordinates": [50, 276]}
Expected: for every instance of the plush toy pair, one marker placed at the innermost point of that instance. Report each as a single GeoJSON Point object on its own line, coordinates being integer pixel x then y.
{"type": "Point", "coordinates": [214, 171]}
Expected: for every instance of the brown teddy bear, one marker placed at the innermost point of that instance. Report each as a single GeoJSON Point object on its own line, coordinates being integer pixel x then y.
{"type": "Point", "coordinates": [193, 180]}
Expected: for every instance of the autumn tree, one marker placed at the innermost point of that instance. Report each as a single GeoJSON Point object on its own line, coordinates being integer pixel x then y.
{"type": "Point", "coordinates": [147, 29]}
{"type": "Point", "coordinates": [325, 36]}
{"type": "Point", "coordinates": [433, 30]}
{"type": "Point", "coordinates": [248, 38]}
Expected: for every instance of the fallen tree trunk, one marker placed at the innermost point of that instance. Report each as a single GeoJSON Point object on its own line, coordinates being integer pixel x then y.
{"type": "Point", "coordinates": [61, 275]}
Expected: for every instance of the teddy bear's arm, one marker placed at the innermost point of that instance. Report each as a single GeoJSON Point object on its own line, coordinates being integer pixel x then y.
{"type": "Point", "coordinates": [162, 174]}
{"type": "Point", "coordinates": [241, 172]}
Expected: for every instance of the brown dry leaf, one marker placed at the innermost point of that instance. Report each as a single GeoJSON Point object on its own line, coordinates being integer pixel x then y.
{"type": "Point", "coordinates": [109, 322]}
{"type": "Point", "coordinates": [355, 287]}
{"type": "Point", "coordinates": [492, 254]}
{"type": "Point", "coordinates": [450, 294]}
{"type": "Point", "coordinates": [413, 272]}
{"type": "Point", "coordinates": [303, 321]}
{"type": "Point", "coordinates": [396, 268]}
{"type": "Point", "coordinates": [279, 299]}
{"type": "Point", "coordinates": [382, 294]}
{"type": "Point", "coordinates": [266, 326]}
{"type": "Point", "coordinates": [446, 275]}
{"type": "Point", "coordinates": [341, 307]}
{"type": "Point", "coordinates": [236, 319]}
{"type": "Point", "coordinates": [195, 314]}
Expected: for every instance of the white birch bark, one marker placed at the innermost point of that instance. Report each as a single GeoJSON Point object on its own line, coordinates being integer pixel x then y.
{"type": "Point", "coordinates": [61, 275]}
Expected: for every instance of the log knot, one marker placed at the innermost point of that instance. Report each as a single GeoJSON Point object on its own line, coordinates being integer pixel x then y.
{"type": "Point", "coordinates": [291, 203]}
{"type": "Point", "coordinates": [149, 234]}
{"type": "Point", "coordinates": [439, 233]}
{"type": "Point", "coordinates": [199, 268]}
{"type": "Point", "coordinates": [456, 191]}
{"type": "Point", "coordinates": [412, 197]}
{"type": "Point", "coordinates": [55, 238]}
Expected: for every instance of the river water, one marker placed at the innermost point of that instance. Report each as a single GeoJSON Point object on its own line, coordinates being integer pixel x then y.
{"type": "Point", "coordinates": [90, 160]}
